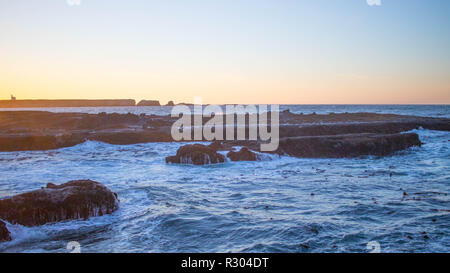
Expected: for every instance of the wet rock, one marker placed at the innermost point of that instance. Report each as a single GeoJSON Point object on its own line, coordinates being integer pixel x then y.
{"type": "Point", "coordinates": [217, 145]}
{"type": "Point", "coordinates": [4, 233]}
{"type": "Point", "coordinates": [107, 121]}
{"type": "Point", "coordinates": [243, 155]}
{"type": "Point", "coordinates": [353, 145]}
{"type": "Point", "coordinates": [40, 130]}
{"type": "Point", "coordinates": [125, 137]}
{"type": "Point", "coordinates": [49, 142]}
{"type": "Point", "coordinates": [196, 154]}
{"type": "Point", "coordinates": [38, 142]}
{"type": "Point", "coordinates": [78, 199]}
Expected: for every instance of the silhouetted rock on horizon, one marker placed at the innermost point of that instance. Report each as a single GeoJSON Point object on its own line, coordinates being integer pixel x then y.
{"type": "Point", "coordinates": [4, 232]}
{"type": "Point", "coordinates": [348, 146]}
{"type": "Point", "coordinates": [243, 155]}
{"type": "Point", "coordinates": [79, 199]}
{"type": "Point", "coordinates": [170, 103]}
{"type": "Point", "coordinates": [196, 154]}
{"type": "Point", "coordinates": [148, 103]}
{"type": "Point", "coordinates": [65, 103]}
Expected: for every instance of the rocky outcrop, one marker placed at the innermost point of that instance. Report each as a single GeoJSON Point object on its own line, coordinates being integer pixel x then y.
{"type": "Point", "coordinates": [352, 145]}
{"type": "Point", "coordinates": [355, 128]}
{"type": "Point", "coordinates": [79, 199]}
{"type": "Point", "coordinates": [243, 155]}
{"type": "Point", "coordinates": [38, 142]}
{"type": "Point", "coordinates": [170, 103]}
{"type": "Point", "coordinates": [125, 137]}
{"type": "Point", "coordinates": [217, 145]}
{"type": "Point", "coordinates": [148, 103]}
{"type": "Point", "coordinates": [49, 142]}
{"type": "Point", "coordinates": [196, 154]}
{"type": "Point", "coordinates": [4, 233]}
{"type": "Point", "coordinates": [64, 103]}
{"type": "Point", "coordinates": [39, 130]}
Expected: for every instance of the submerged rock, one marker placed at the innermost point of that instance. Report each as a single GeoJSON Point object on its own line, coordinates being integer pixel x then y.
{"type": "Point", "coordinates": [78, 199]}
{"type": "Point", "coordinates": [4, 233]}
{"type": "Point", "coordinates": [243, 155]}
{"type": "Point", "coordinates": [196, 154]}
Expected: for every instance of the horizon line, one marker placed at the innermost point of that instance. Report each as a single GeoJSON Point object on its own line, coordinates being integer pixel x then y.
{"type": "Point", "coordinates": [184, 102]}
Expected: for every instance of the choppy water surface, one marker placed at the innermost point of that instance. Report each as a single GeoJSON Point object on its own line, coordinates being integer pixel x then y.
{"type": "Point", "coordinates": [281, 204]}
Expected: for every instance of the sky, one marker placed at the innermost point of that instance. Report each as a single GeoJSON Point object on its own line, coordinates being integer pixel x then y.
{"type": "Point", "coordinates": [227, 51]}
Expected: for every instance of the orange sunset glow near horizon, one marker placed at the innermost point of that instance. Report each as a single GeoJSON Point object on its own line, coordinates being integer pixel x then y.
{"type": "Point", "coordinates": [246, 52]}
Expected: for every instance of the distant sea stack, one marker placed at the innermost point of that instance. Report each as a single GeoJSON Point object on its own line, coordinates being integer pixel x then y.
{"type": "Point", "coordinates": [64, 103]}
{"type": "Point", "coordinates": [170, 103]}
{"type": "Point", "coordinates": [149, 103]}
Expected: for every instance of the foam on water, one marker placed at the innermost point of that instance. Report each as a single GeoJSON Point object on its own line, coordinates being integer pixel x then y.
{"type": "Point", "coordinates": [280, 204]}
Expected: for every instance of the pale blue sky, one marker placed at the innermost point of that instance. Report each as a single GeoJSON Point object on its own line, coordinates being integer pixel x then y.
{"type": "Point", "coordinates": [243, 51]}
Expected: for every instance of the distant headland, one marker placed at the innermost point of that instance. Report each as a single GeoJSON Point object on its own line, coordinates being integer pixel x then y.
{"type": "Point", "coordinates": [15, 103]}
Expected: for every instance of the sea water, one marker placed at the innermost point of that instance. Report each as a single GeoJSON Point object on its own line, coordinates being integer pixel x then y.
{"type": "Point", "coordinates": [279, 204]}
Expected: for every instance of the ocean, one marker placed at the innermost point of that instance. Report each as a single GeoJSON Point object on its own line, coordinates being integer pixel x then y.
{"type": "Point", "coordinates": [279, 204]}
{"type": "Point", "coordinates": [439, 111]}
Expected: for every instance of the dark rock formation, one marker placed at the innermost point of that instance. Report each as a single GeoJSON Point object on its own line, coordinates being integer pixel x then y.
{"type": "Point", "coordinates": [149, 103]}
{"type": "Point", "coordinates": [37, 142]}
{"type": "Point", "coordinates": [64, 103]}
{"type": "Point", "coordinates": [79, 199]}
{"type": "Point", "coordinates": [49, 142]}
{"type": "Point", "coordinates": [196, 154]}
{"type": "Point", "coordinates": [39, 130]}
{"type": "Point", "coordinates": [4, 233]}
{"type": "Point", "coordinates": [352, 145]}
{"type": "Point", "coordinates": [243, 155]}
{"type": "Point", "coordinates": [218, 146]}
{"type": "Point", "coordinates": [352, 128]}
{"type": "Point", "coordinates": [170, 103]}
{"type": "Point", "coordinates": [125, 137]}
